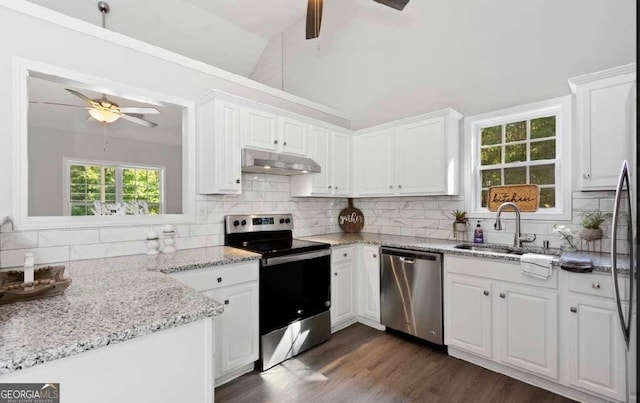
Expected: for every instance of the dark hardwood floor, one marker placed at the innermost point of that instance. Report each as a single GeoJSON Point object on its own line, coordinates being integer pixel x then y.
{"type": "Point", "coordinates": [361, 364]}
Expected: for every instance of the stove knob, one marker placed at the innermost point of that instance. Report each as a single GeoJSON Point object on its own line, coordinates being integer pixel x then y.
{"type": "Point", "coordinates": [244, 222]}
{"type": "Point", "coordinates": [282, 221]}
{"type": "Point", "coordinates": [236, 223]}
{"type": "Point", "coordinates": [288, 220]}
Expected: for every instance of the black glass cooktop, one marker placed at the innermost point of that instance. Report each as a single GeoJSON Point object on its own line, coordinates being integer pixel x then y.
{"type": "Point", "coordinates": [275, 246]}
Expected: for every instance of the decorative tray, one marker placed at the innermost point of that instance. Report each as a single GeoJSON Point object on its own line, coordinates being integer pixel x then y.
{"type": "Point", "coordinates": [47, 282]}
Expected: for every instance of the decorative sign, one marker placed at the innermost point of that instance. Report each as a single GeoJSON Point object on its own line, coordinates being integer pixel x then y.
{"type": "Point", "coordinates": [351, 219]}
{"type": "Point", "coordinates": [526, 197]}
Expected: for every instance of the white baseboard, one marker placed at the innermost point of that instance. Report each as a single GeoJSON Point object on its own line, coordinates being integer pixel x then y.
{"type": "Point", "coordinates": [221, 380]}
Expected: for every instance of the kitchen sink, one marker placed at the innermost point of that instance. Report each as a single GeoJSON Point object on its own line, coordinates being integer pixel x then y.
{"type": "Point", "coordinates": [496, 249]}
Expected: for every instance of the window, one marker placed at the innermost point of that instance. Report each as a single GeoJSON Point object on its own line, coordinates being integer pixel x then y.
{"type": "Point", "coordinates": [110, 182]}
{"type": "Point", "coordinates": [522, 145]}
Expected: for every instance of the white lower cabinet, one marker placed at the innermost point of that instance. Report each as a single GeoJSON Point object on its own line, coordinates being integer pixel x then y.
{"type": "Point", "coordinates": [342, 285]}
{"type": "Point", "coordinates": [369, 283]}
{"type": "Point", "coordinates": [236, 330]}
{"type": "Point", "coordinates": [528, 329]}
{"type": "Point", "coordinates": [468, 314]}
{"type": "Point", "coordinates": [596, 353]}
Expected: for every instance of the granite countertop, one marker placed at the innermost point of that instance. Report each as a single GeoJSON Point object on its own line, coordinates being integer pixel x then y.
{"type": "Point", "coordinates": [110, 300]}
{"type": "Point", "coordinates": [601, 261]}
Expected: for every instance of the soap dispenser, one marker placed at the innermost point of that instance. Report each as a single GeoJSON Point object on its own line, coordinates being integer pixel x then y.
{"type": "Point", "coordinates": [478, 234]}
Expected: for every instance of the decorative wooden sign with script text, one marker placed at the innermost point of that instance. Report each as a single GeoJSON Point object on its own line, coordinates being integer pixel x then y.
{"type": "Point", "coordinates": [351, 219]}
{"type": "Point", "coordinates": [526, 197]}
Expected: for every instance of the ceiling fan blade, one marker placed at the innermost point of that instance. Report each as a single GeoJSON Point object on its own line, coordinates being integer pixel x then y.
{"type": "Point", "coordinates": [137, 120]}
{"type": "Point", "coordinates": [397, 4]}
{"type": "Point", "coordinates": [314, 18]}
{"type": "Point", "coordinates": [82, 96]}
{"type": "Point", "coordinates": [56, 103]}
{"type": "Point", "coordinates": [141, 111]}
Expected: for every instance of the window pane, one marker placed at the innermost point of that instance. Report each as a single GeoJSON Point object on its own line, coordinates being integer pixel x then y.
{"type": "Point", "coordinates": [78, 210]}
{"type": "Point", "coordinates": [515, 176]}
{"type": "Point", "coordinates": [542, 174]}
{"type": "Point", "coordinates": [491, 135]}
{"type": "Point", "coordinates": [78, 188]}
{"type": "Point", "coordinates": [543, 150]}
{"type": "Point", "coordinates": [547, 197]}
{"type": "Point", "coordinates": [491, 156]}
{"type": "Point", "coordinates": [154, 209]}
{"type": "Point", "coordinates": [543, 127]}
{"type": "Point", "coordinates": [483, 201]}
{"type": "Point", "coordinates": [515, 153]}
{"type": "Point", "coordinates": [515, 131]}
{"type": "Point", "coordinates": [77, 197]}
{"type": "Point", "coordinates": [93, 175]}
{"type": "Point", "coordinates": [491, 177]}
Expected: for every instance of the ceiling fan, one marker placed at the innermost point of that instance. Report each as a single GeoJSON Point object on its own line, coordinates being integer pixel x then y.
{"type": "Point", "coordinates": [314, 14]}
{"type": "Point", "coordinates": [105, 111]}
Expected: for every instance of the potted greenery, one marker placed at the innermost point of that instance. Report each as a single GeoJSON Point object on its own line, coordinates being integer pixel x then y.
{"type": "Point", "coordinates": [460, 220]}
{"type": "Point", "coordinates": [591, 222]}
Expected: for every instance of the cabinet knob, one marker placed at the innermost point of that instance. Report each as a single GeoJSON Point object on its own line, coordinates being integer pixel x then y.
{"type": "Point", "coordinates": [238, 181]}
{"type": "Point", "coordinates": [502, 295]}
{"type": "Point", "coordinates": [284, 144]}
{"type": "Point", "coordinates": [375, 256]}
{"type": "Point", "coordinates": [329, 187]}
{"type": "Point", "coordinates": [573, 309]}
{"type": "Point", "coordinates": [586, 176]}
{"type": "Point", "coordinates": [390, 186]}
{"type": "Point", "coordinates": [486, 292]}
{"type": "Point", "coordinates": [596, 286]}
{"type": "Point", "coordinates": [226, 302]}
{"type": "Point", "coordinates": [275, 141]}
{"type": "Point", "coordinates": [335, 274]}
{"type": "Point", "coordinates": [335, 187]}
{"type": "Point", "coordinates": [345, 254]}
{"type": "Point", "coordinates": [219, 279]}
{"type": "Point", "coordinates": [399, 186]}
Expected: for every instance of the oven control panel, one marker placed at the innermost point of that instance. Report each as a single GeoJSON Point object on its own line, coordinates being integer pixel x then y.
{"type": "Point", "coordinates": [234, 224]}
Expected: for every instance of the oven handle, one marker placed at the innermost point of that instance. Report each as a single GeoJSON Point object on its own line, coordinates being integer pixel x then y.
{"type": "Point", "coordinates": [294, 258]}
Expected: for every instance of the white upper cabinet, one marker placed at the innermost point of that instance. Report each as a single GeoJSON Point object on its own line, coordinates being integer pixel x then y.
{"type": "Point", "coordinates": [415, 156]}
{"type": "Point", "coordinates": [605, 122]}
{"type": "Point", "coordinates": [293, 136]}
{"type": "Point", "coordinates": [374, 158]}
{"type": "Point", "coordinates": [332, 151]}
{"type": "Point", "coordinates": [264, 130]}
{"type": "Point", "coordinates": [218, 147]}
{"type": "Point", "coordinates": [259, 129]}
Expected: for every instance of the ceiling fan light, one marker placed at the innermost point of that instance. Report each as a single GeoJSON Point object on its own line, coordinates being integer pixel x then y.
{"type": "Point", "coordinates": [103, 116]}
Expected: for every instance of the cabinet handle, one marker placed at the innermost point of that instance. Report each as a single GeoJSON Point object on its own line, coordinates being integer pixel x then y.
{"type": "Point", "coordinates": [238, 181]}
{"type": "Point", "coordinates": [486, 292]}
{"type": "Point", "coordinates": [573, 309]}
{"type": "Point", "coordinates": [226, 302]}
{"type": "Point", "coordinates": [502, 295]}
{"type": "Point", "coordinates": [219, 279]}
{"type": "Point", "coordinates": [587, 176]}
{"type": "Point", "coordinates": [275, 141]}
{"type": "Point", "coordinates": [596, 286]}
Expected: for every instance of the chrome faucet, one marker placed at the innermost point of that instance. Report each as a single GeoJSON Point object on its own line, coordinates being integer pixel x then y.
{"type": "Point", "coordinates": [518, 239]}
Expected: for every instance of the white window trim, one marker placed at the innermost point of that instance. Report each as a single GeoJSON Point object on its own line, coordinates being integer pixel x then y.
{"type": "Point", "coordinates": [560, 106]}
{"type": "Point", "coordinates": [67, 162]}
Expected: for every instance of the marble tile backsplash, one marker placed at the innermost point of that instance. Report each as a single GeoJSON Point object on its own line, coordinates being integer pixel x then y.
{"type": "Point", "coordinates": [412, 216]}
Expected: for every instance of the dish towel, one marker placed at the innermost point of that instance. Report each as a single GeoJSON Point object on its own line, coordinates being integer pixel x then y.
{"type": "Point", "coordinates": [538, 266]}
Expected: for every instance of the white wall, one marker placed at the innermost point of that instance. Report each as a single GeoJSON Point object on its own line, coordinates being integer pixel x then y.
{"type": "Point", "coordinates": [175, 25]}
{"type": "Point", "coordinates": [47, 148]}
{"type": "Point", "coordinates": [379, 65]}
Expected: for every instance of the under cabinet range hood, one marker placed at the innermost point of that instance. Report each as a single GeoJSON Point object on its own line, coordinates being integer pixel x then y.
{"type": "Point", "coordinates": [265, 162]}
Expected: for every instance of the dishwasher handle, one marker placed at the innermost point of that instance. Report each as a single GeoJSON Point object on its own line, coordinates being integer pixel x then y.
{"type": "Point", "coordinates": [409, 256]}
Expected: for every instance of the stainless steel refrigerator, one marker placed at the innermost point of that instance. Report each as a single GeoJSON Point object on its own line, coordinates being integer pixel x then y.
{"type": "Point", "coordinates": [624, 211]}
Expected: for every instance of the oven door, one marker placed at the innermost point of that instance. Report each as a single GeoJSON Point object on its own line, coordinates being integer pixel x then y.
{"type": "Point", "coordinates": [294, 287]}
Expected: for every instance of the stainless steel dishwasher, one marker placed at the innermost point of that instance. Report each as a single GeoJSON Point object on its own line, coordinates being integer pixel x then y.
{"type": "Point", "coordinates": [411, 293]}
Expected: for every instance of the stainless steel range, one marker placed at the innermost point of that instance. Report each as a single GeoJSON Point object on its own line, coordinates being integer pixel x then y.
{"type": "Point", "coordinates": [295, 284]}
